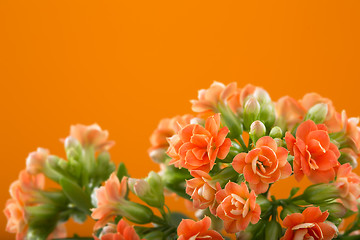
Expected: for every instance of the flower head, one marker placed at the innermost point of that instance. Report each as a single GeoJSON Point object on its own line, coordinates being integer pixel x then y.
{"type": "Point", "coordinates": [36, 160]}
{"type": "Point", "coordinates": [108, 198]}
{"type": "Point", "coordinates": [237, 207]}
{"type": "Point", "coordinates": [166, 128]}
{"type": "Point", "coordinates": [314, 154]}
{"type": "Point", "coordinates": [348, 184]}
{"type": "Point", "coordinates": [289, 112]}
{"type": "Point", "coordinates": [122, 231]}
{"type": "Point", "coordinates": [265, 164]}
{"type": "Point", "coordinates": [310, 224]}
{"type": "Point", "coordinates": [191, 230]}
{"type": "Point", "coordinates": [91, 136]}
{"type": "Point", "coordinates": [201, 190]}
{"type": "Point", "coordinates": [196, 148]}
{"type": "Point", "coordinates": [209, 99]}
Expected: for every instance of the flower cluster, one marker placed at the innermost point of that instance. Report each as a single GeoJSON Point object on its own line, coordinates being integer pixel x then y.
{"type": "Point", "coordinates": [223, 159]}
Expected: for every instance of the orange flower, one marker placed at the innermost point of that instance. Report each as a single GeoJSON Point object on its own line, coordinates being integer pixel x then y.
{"type": "Point", "coordinates": [265, 164]}
{"type": "Point", "coordinates": [311, 99]}
{"type": "Point", "coordinates": [122, 231]}
{"type": "Point", "coordinates": [310, 224]}
{"type": "Point", "coordinates": [196, 148]}
{"type": "Point", "coordinates": [289, 112]}
{"type": "Point", "coordinates": [166, 128]}
{"type": "Point", "coordinates": [24, 192]}
{"type": "Point", "coordinates": [191, 230]}
{"type": "Point", "coordinates": [201, 191]}
{"type": "Point", "coordinates": [91, 136]}
{"type": "Point", "coordinates": [109, 197]}
{"type": "Point", "coordinates": [208, 99]}
{"type": "Point", "coordinates": [36, 160]}
{"type": "Point", "coordinates": [348, 184]}
{"type": "Point", "coordinates": [237, 207]}
{"type": "Point", "coordinates": [314, 154]}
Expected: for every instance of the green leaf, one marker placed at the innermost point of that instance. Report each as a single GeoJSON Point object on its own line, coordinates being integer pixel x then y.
{"type": "Point", "coordinates": [122, 171]}
{"type": "Point", "coordinates": [76, 195]}
{"type": "Point", "coordinates": [293, 191]}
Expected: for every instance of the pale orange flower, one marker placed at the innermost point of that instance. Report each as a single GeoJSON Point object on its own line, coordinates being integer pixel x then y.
{"type": "Point", "coordinates": [24, 192]}
{"type": "Point", "coordinates": [59, 232]}
{"type": "Point", "coordinates": [201, 190]}
{"type": "Point", "coordinates": [196, 148]}
{"type": "Point", "coordinates": [122, 231]}
{"type": "Point", "coordinates": [289, 112]}
{"type": "Point", "coordinates": [209, 99]}
{"type": "Point", "coordinates": [191, 230]}
{"type": "Point", "coordinates": [310, 224]}
{"type": "Point", "coordinates": [311, 99]}
{"type": "Point", "coordinates": [91, 136]}
{"type": "Point", "coordinates": [351, 131]}
{"type": "Point", "coordinates": [265, 164]}
{"type": "Point", "coordinates": [237, 207]}
{"type": "Point", "coordinates": [348, 184]}
{"type": "Point", "coordinates": [109, 197]}
{"type": "Point", "coordinates": [314, 154]}
{"type": "Point", "coordinates": [166, 128]}
{"type": "Point", "coordinates": [36, 160]}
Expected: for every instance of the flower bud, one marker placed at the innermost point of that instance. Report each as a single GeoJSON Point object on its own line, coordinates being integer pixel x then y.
{"type": "Point", "coordinates": [273, 230]}
{"type": "Point", "coordinates": [262, 96]}
{"type": "Point", "coordinates": [136, 212]}
{"type": "Point", "coordinates": [154, 235]}
{"type": "Point", "coordinates": [72, 148]}
{"type": "Point", "coordinates": [317, 113]}
{"type": "Point", "coordinates": [257, 130]}
{"type": "Point", "coordinates": [198, 121]}
{"type": "Point", "coordinates": [149, 190]}
{"type": "Point", "coordinates": [276, 132]}
{"type": "Point", "coordinates": [267, 114]}
{"type": "Point", "coordinates": [336, 210]}
{"type": "Point", "coordinates": [288, 210]}
{"type": "Point", "coordinates": [348, 157]}
{"type": "Point", "coordinates": [36, 160]}
{"type": "Point", "coordinates": [263, 202]}
{"type": "Point", "coordinates": [158, 155]}
{"type": "Point", "coordinates": [320, 193]}
{"type": "Point", "coordinates": [251, 111]}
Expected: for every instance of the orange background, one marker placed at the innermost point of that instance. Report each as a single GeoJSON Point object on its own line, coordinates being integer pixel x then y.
{"type": "Point", "coordinates": [127, 64]}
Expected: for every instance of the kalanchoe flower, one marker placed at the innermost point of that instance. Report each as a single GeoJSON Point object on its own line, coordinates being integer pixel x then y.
{"type": "Point", "coordinates": [237, 207]}
{"type": "Point", "coordinates": [91, 136]}
{"type": "Point", "coordinates": [108, 198]}
{"type": "Point", "coordinates": [310, 224]}
{"type": "Point", "coordinates": [191, 230]}
{"type": "Point", "coordinates": [196, 148]}
{"type": "Point", "coordinates": [166, 128]}
{"type": "Point", "coordinates": [36, 160]}
{"type": "Point", "coordinates": [289, 112]}
{"type": "Point", "coordinates": [24, 192]}
{"type": "Point", "coordinates": [265, 164]}
{"type": "Point", "coordinates": [122, 231]}
{"type": "Point", "coordinates": [111, 202]}
{"type": "Point", "coordinates": [201, 190]}
{"type": "Point", "coordinates": [218, 93]}
{"type": "Point", "coordinates": [348, 184]}
{"type": "Point", "coordinates": [314, 154]}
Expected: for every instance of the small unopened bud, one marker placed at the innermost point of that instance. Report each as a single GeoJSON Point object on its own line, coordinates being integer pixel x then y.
{"type": "Point", "coordinates": [288, 210]}
{"type": "Point", "coordinates": [158, 155]}
{"type": "Point", "coordinates": [276, 132]}
{"type": "Point", "coordinates": [251, 111]}
{"type": "Point", "coordinates": [72, 147]}
{"type": "Point", "coordinates": [336, 210]}
{"type": "Point", "coordinates": [150, 190]}
{"type": "Point", "coordinates": [279, 142]}
{"type": "Point", "coordinates": [263, 202]}
{"type": "Point", "coordinates": [321, 193]}
{"type": "Point", "coordinates": [317, 113]}
{"type": "Point", "coordinates": [136, 212]}
{"type": "Point", "coordinates": [262, 96]}
{"type": "Point", "coordinates": [348, 156]}
{"type": "Point", "coordinates": [257, 130]}
{"type": "Point", "coordinates": [198, 121]}
{"type": "Point", "coordinates": [267, 114]}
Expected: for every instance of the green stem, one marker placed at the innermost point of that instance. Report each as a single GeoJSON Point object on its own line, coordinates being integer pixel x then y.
{"type": "Point", "coordinates": [158, 220]}
{"type": "Point", "coordinates": [242, 143]}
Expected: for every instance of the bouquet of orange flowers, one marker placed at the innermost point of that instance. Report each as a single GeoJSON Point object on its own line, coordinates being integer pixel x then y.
{"type": "Point", "coordinates": [223, 160]}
